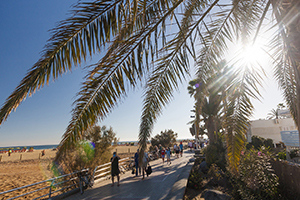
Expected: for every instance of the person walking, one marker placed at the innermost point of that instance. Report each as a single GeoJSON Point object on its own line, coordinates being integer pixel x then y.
{"type": "Point", "coordinates": [115, 168]}
{"type": "Point", "coordinates": [181, 148]}
{"type": "Point", "coordinates": [168, 152]}
{"type": "Point", "coordinates": [136, 162]}
{"type": "Point", "coordinates": [191, 145]}
{"type": "Point", "coordinates": [156, 152]}
{"type": "Point", "coordinates": [176, 149]}
{"type": "Point", "coordinates": [144, 164]}
{"type": "Point", "coordinates": [162, 152]}
{"type": "Point", "coordinates": [160, 148]}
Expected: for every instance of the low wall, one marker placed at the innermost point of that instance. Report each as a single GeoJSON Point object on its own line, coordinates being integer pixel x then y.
{"type": "Point", "coordinates": [289, 175]}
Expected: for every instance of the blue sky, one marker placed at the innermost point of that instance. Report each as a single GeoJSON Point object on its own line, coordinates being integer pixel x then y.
{"type": "Point", "coordinates": [43, 118]}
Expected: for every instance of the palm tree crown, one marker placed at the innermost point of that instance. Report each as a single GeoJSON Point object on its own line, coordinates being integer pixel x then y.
{"type": "Point", "coordinates": [154, 41]}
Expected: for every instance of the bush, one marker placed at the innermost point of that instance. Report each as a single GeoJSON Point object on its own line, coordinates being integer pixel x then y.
{"type": "Point", "coordinates": [215, 153]}
{"type": "Point", "coordinates": [195, 180]}
{"type": "Point", "coordinates": [294, 153]}
{"type": "Point", "coordinates": [257, 177]}
{"type": "Point", "coordinates": [196, 176]}
{"type": "Point", "coordinates": [93, 150]}
{"type": "Point", "coordinates": [257, 142]}
{"type": "Point", "coordinates": [282, 155]}
{"type": "Point", "coordinates": [216, 173]}
{"type": "Point", "coordinates": [165, 138]}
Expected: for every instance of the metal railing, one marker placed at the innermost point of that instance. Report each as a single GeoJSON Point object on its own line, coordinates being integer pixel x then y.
{"type": "Point", "coordinates": [57, 184]}
{"type": "Point", "coordinates": [68, 182]}
{"type": "Point", "coordinates": [103, 171]}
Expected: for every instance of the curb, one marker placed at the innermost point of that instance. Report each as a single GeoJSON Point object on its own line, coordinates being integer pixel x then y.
{"type": "Point", "coordinates": [178, 189]}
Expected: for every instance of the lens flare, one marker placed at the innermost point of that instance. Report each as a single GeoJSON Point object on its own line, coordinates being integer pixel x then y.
{"type": "Point", "coordinates": [56, 169]}
{"type": "Point", "coordinates": [86, 150]}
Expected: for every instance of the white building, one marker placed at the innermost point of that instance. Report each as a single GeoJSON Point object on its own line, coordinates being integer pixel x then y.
{"type": "Point", "coordinates": [270, 128]}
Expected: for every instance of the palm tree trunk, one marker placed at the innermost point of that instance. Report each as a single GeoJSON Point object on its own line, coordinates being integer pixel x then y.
{"type": "Point", "coordinates": [197, 119]}
{"type": "Point", "coordinates": [210, 125]}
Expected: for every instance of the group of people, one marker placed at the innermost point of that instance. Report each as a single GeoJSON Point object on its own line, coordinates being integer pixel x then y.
{"type": "Point", "coordinates": [194, 145]}
{"type": "Point", "coordinates": [141, 168]}
{"type": "Point", "coordinates": [162, 152]}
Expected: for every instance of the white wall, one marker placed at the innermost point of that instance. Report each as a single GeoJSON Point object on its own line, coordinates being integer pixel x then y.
{"type": "Point", "coordinates": [270, 128]}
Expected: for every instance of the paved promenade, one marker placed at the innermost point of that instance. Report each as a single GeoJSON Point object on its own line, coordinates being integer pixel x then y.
{"type": "Point", "coordinates": [165, 182]}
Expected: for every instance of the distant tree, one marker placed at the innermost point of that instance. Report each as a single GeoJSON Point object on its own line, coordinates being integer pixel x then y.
{"type": "Point", "coordinates": [94, 149]}
{"type": "Point", "coordinates": [274, 113]}
{"type": "Point", "coordinates": [257, 142]}
{"type": "Point", "coordinates": [165, 138]}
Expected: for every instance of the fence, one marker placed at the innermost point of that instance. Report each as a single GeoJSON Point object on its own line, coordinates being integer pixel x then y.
{"type": "Point", "coordinates": [103, 171]}
{"type": "Point", "coordinates": [57, 186]}
{"type": "Point", "coordinates": [289, 175]}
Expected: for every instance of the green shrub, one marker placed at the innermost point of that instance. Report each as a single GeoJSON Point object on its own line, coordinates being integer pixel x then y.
{"type": "Point", "coordinates": [257, 177]}
{"type": "Point", "coordinates": [282, 155]}
{"type": "Point", "coordinates": [294, 153]}
{"type": "Point", "coordinates": [216, 173]}
{"type": "Point", "coordinates": [215, 153]}
{"type": "Point", "coordinates": [257, 142]}
{"type": "Point", "coordinates": [195, 180]}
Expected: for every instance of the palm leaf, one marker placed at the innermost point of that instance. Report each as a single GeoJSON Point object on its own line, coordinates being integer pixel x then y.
{"type": "Point", "coordinates": [120, 66]}
{"type": "Point", "coordinates": [170, 70]}
{"type": "Point", "coordinates": [72, 40]}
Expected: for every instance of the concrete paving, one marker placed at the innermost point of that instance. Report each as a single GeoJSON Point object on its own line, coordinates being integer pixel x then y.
{"type": "Point", "coordinates": [166, 182]}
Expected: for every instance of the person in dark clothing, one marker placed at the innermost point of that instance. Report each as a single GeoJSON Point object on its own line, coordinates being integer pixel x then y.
{"type": "Point", "coordinates": [115, 168]}
{"type": "Point", "coordinates": [136, 162]}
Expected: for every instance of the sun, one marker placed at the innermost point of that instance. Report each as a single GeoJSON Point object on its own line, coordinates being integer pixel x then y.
{"type": "Point", "coordinates": [253, 55]}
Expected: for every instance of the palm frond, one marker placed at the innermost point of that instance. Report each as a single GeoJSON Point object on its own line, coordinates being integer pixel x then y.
{"type": "Point", "coordinates": [237, 113]}
{"type": "Point", "coordinates": [91, 25]}
{"type": "Point", "coordinates": [284, 73]}
{"type": "Point", "coordinates": [123, 63]}
{"type": "Point", "coordinates": [170, 70]}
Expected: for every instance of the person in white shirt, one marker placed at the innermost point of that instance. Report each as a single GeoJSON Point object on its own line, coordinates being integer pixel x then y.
{"type": "Point", "coordinates": [144, 164]}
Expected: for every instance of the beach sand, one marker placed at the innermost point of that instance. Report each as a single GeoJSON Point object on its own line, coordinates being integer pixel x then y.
{"type": "Point", "coordinates": [35, 155]}
{"type": "Point", "coordinates": [17, 174]}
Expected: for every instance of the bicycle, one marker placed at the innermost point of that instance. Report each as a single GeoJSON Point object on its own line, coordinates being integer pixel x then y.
{"type": "Point", "coordinates": [85, 181]}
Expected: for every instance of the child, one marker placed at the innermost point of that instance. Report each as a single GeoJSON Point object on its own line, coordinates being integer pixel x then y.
{"type": "Point", "coordinates": [162, 152]}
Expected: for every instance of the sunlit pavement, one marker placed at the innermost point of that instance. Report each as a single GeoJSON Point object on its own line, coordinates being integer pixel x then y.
{"type": "Point", "coordinates": [157, 186]}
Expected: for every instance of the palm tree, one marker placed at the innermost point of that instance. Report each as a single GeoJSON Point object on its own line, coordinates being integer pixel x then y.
{"type": "Point", "coordinates": [207, 102]}
{"type": "Point", "coordinates": [194, 89]}
{"type": "Point", "coordinates": [154, 40]}
{"type": "Point", "coordinates": [273, 114]}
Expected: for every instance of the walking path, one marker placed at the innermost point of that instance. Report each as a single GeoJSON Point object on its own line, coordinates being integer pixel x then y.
{"type": "Point", "coordinates": [165, 182]}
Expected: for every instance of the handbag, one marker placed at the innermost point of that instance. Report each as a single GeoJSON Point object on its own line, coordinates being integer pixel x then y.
{"type": "Point", "coordinates": [132, 172]}
{"type": "Point", "coordinates": [149, 170]}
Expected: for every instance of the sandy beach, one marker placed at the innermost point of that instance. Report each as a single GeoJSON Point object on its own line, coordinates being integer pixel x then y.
{"type": "Point", "coordinates": [36, 154]}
